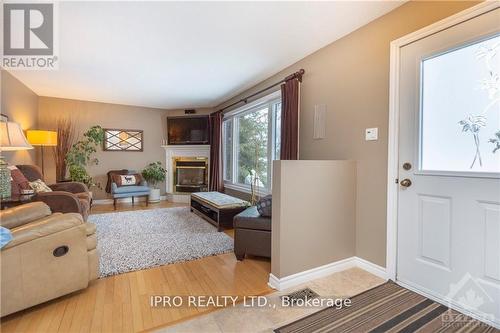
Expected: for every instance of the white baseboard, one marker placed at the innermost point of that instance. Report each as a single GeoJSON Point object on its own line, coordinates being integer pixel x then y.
{"type": "Point", "coordinates": [180, 198]}
{"type": "Point", "coordinates": [321, 271]}
{"type": "Point", "coordinates": [123, 200]}
{"type": "Point", "coordinates": [311, 274]}
{"type": "Point", "coordinates": [372, 268]}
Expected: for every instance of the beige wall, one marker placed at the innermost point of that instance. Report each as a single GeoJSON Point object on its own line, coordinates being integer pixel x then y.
{"type": "Point", "coordinates": [20, 104]}
{"type": "Point", "coordinates": [86, 114]}
{"type": "Point", "coordinates": [351, 76]}
{"type": "Point", "coordinates": [314, 204]}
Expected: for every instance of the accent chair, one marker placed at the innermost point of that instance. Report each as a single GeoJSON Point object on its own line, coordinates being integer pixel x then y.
{"type": "Point", "coordinates": [66, 197]}
{"type": "Point", "coordinates": [128, 191]}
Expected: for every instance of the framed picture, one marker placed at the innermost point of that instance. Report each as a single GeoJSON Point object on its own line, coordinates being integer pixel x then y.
{"type": "Point", "coordinates": [123, 140]}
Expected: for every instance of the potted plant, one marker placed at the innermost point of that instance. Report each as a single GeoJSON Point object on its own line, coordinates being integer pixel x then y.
{"type": "Point", "coordinates": [65, 136]}
{"type": "Point", "coordinates": [154, 173]}
{"type": "Point", "coordinates": [80, 155]}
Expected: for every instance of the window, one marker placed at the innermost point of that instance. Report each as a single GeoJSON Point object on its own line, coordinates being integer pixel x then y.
{"type": "Point", "coordinates": [459, 109]}
{"type": "Point", "coordinates": [251, 140]}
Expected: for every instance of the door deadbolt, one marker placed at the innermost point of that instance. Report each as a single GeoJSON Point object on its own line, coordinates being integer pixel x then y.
{"type": "Point", "coordinates": [407, 166]}
{"type": "Point", "coordinates": [405, 182]}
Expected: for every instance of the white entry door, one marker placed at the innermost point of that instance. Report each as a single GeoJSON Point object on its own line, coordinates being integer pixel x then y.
{"type": "Point", "coordinates": [448, 243]}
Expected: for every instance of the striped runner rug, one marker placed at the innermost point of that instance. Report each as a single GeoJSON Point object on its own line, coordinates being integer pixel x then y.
{"type": "Point", "coordinates": [388, 308]}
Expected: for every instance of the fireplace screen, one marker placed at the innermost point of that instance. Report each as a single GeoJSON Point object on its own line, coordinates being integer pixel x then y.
{"type": "Point", "coordinates": [190, 174]}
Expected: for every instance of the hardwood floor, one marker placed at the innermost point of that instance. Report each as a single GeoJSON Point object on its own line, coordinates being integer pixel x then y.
{"type": "Point", "coordinates": [121, 207]}
{"type": "Point", "coordinates": [121, 303]}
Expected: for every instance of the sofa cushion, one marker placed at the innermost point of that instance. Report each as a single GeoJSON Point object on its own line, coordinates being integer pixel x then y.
{"type": "Point", "coordinates": [5, 236]}
{"type": "Point", "coordinates": [19, 181]}
{"type": "Point", "coordinates": [265, 206]}
{"type": "Point", "coordinates": [250, 218]}
{"type": "Point", "coordinates": [219, 200]}
{"type": "Point", "coordinates": [22, 214]}
{"type": "Point", "coordinates": [39, 186]}
{"type": "Point", "coordinates": [131, 189]}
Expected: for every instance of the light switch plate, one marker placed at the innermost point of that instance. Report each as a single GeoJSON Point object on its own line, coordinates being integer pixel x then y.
{"type": "Point", "coordinates": [371, 134]}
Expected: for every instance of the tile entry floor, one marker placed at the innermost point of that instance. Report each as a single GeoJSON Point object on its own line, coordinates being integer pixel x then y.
{"type": "Point", "coordinates": [264, 319]}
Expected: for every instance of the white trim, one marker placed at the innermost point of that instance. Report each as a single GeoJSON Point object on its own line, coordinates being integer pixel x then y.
{"type": "Point", "coordinates": [372, 268]}
{"type": "Point", "coordinates": [172, 151]}
{"type": "Point", "coordinates": [263, 100]}
{"type": "Point", "coordinates": [446, 301]}
{"type": "Point", "coordinates": [246, 188]}
{"type": "Point", "coordinates": [179, 198]}
{"type": "Point", "coordinates": [321, 271]}
{"type": "Point", "coordinates": [123, 200]}
{"type": "Point", "coordinates": [274, 282]}
{"type": "Point", "coordinates": [393, 148]}
{"type": "Point", "coordinates": [233, 116]}
{"type": "Point", "coordinates": [311, 274]}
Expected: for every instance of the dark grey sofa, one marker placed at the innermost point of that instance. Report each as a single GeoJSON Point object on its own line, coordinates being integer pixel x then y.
{"type": "Point", "coordinates": [252, 234]}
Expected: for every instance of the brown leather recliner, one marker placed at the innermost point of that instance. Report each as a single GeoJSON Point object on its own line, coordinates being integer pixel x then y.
{"type": "Point", "coordinates": [50, 255]}
{"type": "Point", "coordinates": [67, 197]}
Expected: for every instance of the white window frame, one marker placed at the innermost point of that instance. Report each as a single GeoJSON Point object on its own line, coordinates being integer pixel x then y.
{"type": "Point", "coordinates": [268, 100]}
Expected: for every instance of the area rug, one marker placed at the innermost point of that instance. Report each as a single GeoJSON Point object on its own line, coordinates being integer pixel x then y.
{"type": "Point", "coordinates": [388, 308]}
{"type": "Point", "coordinates": [129, 241]}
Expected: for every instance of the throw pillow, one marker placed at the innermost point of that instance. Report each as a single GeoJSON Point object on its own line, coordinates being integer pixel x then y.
{"type": "Point", "coordinates": [265, 206]}
{"type": "Point", "coordinates": [18, 181]}
{"type": "Point", "coordinates": [5, 236]}
{"type": "Point", "coordinates": [127, 180]}
{"type": "Point", "coordinates": [39, 186]}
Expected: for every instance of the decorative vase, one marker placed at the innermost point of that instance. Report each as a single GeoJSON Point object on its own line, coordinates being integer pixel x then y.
{"type": "Point", "coordinates": [154, 195]}
{"type": "Point", "coordinates": [5, 186]}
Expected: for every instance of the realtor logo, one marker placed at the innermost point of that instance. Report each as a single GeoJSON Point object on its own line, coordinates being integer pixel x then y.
{"type": "Point", "coordinates": [28, 29]}
{"type": "Point", "coordinates": [28, 34]}
{"type": "Point", "coordinates": [470, 295]}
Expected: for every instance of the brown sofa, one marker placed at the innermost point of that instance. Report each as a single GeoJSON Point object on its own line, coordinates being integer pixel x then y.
{"type": "Point", "coordinates": [252, 234]}
{"type": "Point", "coordinates": [67, 197]}
{"type": "Point", "coordinates": [50, 255]}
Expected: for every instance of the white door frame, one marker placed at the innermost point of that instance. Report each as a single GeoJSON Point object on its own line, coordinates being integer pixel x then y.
{"type": "Point", "coordinates": [393, 145]}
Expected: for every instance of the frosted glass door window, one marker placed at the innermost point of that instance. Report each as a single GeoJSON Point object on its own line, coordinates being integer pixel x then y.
{"type": "Point", "coordinates": [460, 110]}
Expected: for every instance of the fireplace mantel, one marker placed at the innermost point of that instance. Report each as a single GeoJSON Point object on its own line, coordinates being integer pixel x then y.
{"type": "Point", "coordinates": [172, 151]}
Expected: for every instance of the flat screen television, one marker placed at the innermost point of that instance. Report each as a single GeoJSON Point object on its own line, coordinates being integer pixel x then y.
{"type": "Point", "coordinates": [191, 130]}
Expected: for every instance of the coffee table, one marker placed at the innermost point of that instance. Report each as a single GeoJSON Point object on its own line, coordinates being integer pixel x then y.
{"type": "Point", "coordinates": [217, 208]}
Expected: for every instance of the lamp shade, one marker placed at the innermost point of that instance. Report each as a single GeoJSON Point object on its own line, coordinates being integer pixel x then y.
{"type": "Point", "coordinates": [42, 138]}
{"type": "Point", "coordinates": [12, 137]}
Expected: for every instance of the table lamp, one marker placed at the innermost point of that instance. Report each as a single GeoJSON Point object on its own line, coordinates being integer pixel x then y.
{"type": "Point", "coordinates": [11, 139]}
{"type": "Point", "coordinates": [43, 139]}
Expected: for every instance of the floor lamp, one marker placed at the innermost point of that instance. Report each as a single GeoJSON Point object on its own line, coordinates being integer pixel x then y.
{"type": "Point", "coordinates": [43, 139]}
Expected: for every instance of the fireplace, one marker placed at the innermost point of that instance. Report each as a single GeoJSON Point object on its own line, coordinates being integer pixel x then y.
{"type": "Point", "coordinates": [190, 174]}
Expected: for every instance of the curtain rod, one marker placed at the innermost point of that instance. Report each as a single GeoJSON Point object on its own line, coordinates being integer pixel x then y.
{"type": "Point", "coordinates": [296, 75]}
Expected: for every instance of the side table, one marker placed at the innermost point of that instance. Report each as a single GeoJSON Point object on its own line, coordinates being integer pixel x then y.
{"type": "Point", "coordinates": [15, 200]}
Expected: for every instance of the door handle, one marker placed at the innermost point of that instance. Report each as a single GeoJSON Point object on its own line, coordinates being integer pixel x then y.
{"type": "Point", "coordinates": [405, 182]}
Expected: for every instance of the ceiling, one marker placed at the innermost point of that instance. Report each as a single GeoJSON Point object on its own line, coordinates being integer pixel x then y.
{"type": "Point", "coordinates": [187, 54]}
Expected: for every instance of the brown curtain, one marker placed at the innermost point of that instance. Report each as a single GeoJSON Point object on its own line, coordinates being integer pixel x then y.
{"type": "Point", "coordinates": [216, 181]}
{"type": "Point", "coordinates": [290, 120]}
